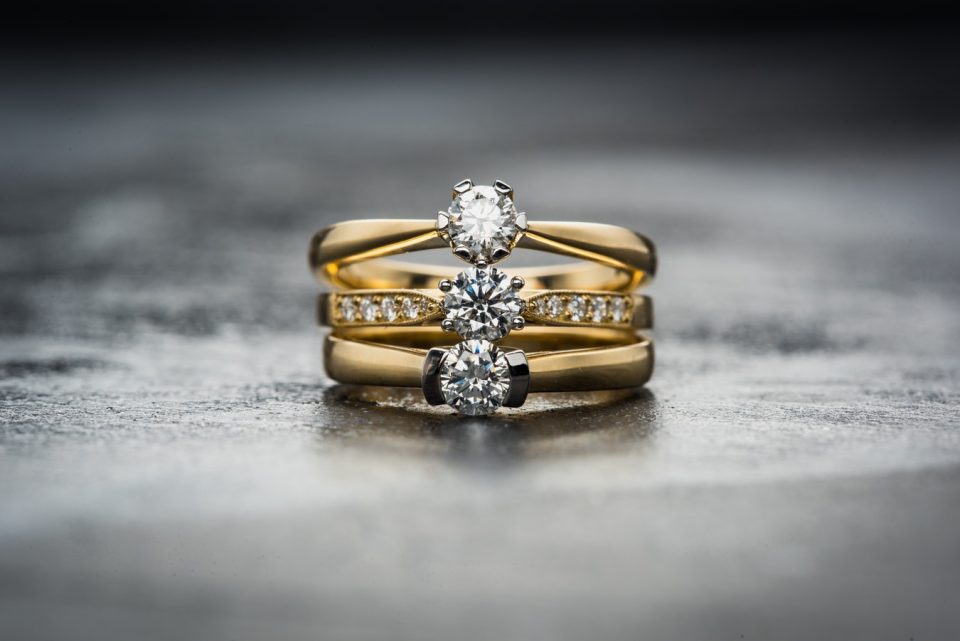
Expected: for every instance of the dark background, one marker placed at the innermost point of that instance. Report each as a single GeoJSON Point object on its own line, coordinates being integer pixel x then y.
{"type": "Point", "coordinates": [175, 465]}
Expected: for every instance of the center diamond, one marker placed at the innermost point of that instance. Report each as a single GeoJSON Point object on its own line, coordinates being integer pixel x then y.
{"type": "Point", "coordinates": [482, 223]}
{"type": "Point", "coordinates": [483, 303]}
{"type": "Point", "coordinates": [475, 377]}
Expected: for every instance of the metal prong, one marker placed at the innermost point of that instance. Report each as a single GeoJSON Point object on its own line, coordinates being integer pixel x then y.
{"type": "Point", "coordinates": [503, 188]}
{"type": "Point", "coordinates": [430, 378]}
{"type": "Point", "coordinates": [462, 252]}
{"type": "Point", "coordinates": [518, 323]}
{"type": "Point", "coordinates": [443, 221]}
{"type": "Point", "coordinates": [517, 282]}
{"type": "Point", "coordinates": [447, 325]}
{"type": "Point", "coordinates": [445, 285]}
{"type": "Point", "coordinates": [463, 186]}
{"type": "Point", "coordinates": [500, 253]}
{"type": "Point", "coordinates": [522, 221]}
{"type": "Point", "coordinates": [519, 378]}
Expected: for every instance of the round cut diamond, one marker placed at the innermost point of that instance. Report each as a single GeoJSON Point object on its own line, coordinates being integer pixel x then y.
{"type": "Point", "coordinates": [388, 309]}
{"type": "Point", "coordinates": [368, 309]}
{"type": "Point", "coordinates": [618, 309]}
{"type": "Point", "coordinates": [482, 303]}
{"type": "Point", "coordinates": [475, 377]}
{"type": "Point", "coordinates": [577, 308]}
{"type": "Point", "coordinates": [348, 309]}
{"type": "Point", "coordinates": [598, 310]}
{"type": "Point", "coordinates": [409, 308]}
{"type": "Point", "coordinates": [555, 306]}
{"type": "Point", "coordinates": [484, 221]}
{"type": "Point", "coordinates": [540, 305]}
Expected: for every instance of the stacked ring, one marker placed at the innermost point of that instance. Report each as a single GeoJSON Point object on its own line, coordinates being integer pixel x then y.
{"type": "Point", "coordinates": [389, 326]}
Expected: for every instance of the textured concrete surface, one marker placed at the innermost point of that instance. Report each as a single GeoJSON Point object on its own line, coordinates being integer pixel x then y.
{"type": "Point", "coordinates": [174, 465]}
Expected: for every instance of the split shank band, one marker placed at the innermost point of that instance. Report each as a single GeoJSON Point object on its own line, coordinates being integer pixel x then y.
{"type": "Point", "coordinates": [395, 323]}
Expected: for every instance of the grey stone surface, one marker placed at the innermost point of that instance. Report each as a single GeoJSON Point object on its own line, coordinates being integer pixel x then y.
{"type": "Point", "coordinates": [174, 465]}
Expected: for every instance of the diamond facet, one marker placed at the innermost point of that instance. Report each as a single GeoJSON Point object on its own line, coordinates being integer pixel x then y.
{"type": "Point", "coordinates": [475, 377]}
{"type": "Point", "coordinates": [484, 222]}
{"type": "Point", "coordinates": [482, 303]}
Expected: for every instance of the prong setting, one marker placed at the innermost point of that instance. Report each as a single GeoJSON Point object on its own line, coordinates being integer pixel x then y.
{"type": "Point", "coordinates": [447, 325]}
{"type": "Point", "coordinates": [503, 188]}
{"type": "Point", "coordinates": [445, 285]}
{"type": "Point", "coordinates": [462, 187]}
{"type": "Point", "coordinates": [518, 323]}
{"type": "Point", "coordinates": [517, 282]}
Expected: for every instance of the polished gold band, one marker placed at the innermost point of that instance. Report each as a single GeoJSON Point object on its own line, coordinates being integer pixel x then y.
{"type": "Point", "coordinates": [351, 255]}
{"type": "Point", "coordinates": [619, 364]}
{"type": "Point", "coordinates": [400, 307]}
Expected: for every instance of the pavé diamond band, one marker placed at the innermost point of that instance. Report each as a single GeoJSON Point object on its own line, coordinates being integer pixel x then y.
{"type": "Point", "coordinates": [398, 307]}
{"type": "Point", "coordinates": [383, 305]}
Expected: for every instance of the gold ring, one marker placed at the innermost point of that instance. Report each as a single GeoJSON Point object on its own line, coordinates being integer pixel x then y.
{"type": "Point", "coordinates": [563, 308]}
{"type": "Point", "coordinates": [509, 373]}
{"type": "Point", "coordinates": [482, 226]}
{"type": "Point", "coordinates": [579, 322]}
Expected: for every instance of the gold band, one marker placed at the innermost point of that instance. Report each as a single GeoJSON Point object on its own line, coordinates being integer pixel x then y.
{"type": "Point", "coordinates": [620, 362]}
{"type": "Point", "coordinates": [399, 307]}
{"type": "Point", "coordinates": [351, 255]}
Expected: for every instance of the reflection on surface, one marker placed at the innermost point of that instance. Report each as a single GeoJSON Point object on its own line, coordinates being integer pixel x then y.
{"type": "Point", "coordinates": [548, 424]}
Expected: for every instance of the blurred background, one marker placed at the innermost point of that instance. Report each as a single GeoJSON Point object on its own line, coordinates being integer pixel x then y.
{"type": "Point", "coordinates": [174, 463]}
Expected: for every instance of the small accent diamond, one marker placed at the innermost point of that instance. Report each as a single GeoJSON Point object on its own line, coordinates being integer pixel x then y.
{"type": "Point", "coordinates": [618, 309]}
{"type": "Point", "coordinates": [577, 308]}
{"type": "Point", "coordinates": [348, 309]}
{"type": "Point", "coordinates": [388, 309]}
{"type": "Point", "coordinates": [598, 309]}
{"type": "Point", "coordinates": [368, 309]}
{"type": "Point", "coordinates": [540, 306]}
{"type": "Point", "coordinates": [409, 308]}
{"type": "Point", "coordinates": [555, 306]}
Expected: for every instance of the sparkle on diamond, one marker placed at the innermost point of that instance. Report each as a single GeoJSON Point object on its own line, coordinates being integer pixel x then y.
{"type": "Point", "coordinates": [482, 303]}
{"type": "Point", "coordinates": [483, 220]}
{"type": "Point", "coordinates": [475, 377]}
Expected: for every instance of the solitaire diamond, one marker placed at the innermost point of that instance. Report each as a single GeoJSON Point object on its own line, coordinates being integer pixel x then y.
{"type": "Point", "coordinates": [482, 303]}
{"type": "Point", "coordinates": [475, 377]}
{"type": "Point", "coordinates": [482, 224]}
